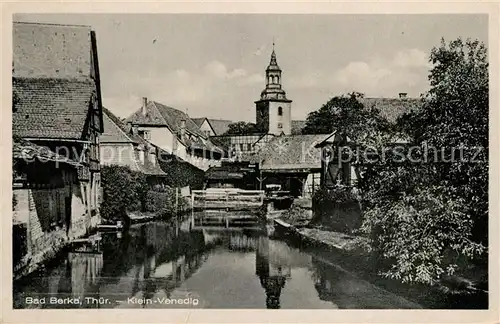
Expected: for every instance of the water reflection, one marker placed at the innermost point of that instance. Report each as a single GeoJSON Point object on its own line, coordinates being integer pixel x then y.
{"type": "Point", "coordinates": [272, 275]}
{"type": "Point", "coordinates": [221, 268]}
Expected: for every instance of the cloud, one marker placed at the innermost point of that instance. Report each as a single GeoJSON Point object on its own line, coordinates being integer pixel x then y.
{"type": "Point", "coordinates": [411, 58]}
{"type": "Point", "coordinates": [405, 71]}
{"type": "Point", "coordinates": [260, 50]}
{"type": "Point", "coordinates": [309, 81]}
{"type": "Point", "coordinates": [181, 88]}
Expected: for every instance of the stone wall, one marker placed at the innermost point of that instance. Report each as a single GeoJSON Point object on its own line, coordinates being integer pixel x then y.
{"type": "Point", "coordinates": [38, 210]}
{"type": "Point", "coordinates": [40, 224]}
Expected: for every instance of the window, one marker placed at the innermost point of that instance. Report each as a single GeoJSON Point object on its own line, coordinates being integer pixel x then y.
{"type": "Point", "coordinates": [145, 134]}
{"type": "Point", "coordinates": [280, 111]}
{"type": "Point", "coordinates": [141, 156]}
{"type": "Point", "coordinates": [280, 125]}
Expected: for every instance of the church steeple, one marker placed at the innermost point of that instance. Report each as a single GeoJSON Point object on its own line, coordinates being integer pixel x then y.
{"type": "Point", "coordinates": [274, 109]}
{"type": "Point", "coordinates": [273, 64]}
{"type": "Point", "coordinates": [273, 80]}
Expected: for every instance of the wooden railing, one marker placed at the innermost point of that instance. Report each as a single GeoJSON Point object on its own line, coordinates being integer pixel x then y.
{"type": "Point", "coordinates": [227, 198]}
{"type": "Point", "coordinates": [215, 205]}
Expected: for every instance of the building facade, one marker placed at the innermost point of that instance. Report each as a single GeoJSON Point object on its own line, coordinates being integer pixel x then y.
{"type": "Point", "coordinates": [120, 145]}
{"type": "Point", "coordinates": [45, 197]}
{"type": "Point", "coordinates": [174, 132]}
{"type": "Point", "coordinates": [212, 127]}
{"type": "Point", "coordinates": [57, 105]}
{"type": "Point", "coordinates": [273, 109]}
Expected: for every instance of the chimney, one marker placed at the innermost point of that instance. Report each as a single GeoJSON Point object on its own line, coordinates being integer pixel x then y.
{"type": "Point", "coordinates": [402, 95]}
{"type": "Point", "coordinates": [144, 105]}
{"type": "Point", "coordinates": [182, 128]}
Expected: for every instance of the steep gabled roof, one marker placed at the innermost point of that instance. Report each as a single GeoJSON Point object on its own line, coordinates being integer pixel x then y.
{"type": "Point", "coordinates": [199, 121]}
{"type": "Point", "coordinates": [115, 131]}
{"type": "Point", "coordinates": [220, 126]}
{"type": "Point", "coordinates": [51, 51]}
{"type": "Point", "coordinates": [51, 108]}
{"type": "Point", "coordinates": [291, 152]}
{"type": "Point", "coordinates": [157, 114]}
{"type": "Point", "coordinates": [173, 119]}
{"type": "Point", "coordinates": [392, 108]}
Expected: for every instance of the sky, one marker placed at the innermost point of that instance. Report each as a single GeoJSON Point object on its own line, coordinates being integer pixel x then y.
{"type": "Point", "coordinates": [213, 65]}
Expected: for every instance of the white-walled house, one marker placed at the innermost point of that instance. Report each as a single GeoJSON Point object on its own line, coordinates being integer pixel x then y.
{"type": "Point", "coordinates": [175, 132]}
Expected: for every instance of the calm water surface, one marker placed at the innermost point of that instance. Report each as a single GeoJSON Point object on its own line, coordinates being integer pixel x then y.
{"type": "Point", "coordinates": [161, 265]}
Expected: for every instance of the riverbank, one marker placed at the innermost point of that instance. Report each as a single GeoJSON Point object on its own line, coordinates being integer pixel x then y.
{"type": "Point", "coordinates": [349, 253]}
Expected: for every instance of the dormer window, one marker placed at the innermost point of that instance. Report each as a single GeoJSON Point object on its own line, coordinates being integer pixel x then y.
{"type": "Point", "coordinates": [141, 156]}
{"type": "Point", "coordinates": [280, 111]}
{"type": "Point", "coordinates": [145, 134]}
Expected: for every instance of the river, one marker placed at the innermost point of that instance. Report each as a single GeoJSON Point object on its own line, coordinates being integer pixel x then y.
{"type": "Point", "coordinates": [165, 265]}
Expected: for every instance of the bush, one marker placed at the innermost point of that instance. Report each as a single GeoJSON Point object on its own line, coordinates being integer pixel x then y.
{"type": "Point", "coordinates": [423, 235]}
{"type": "Point", "coordinates": [181, 173]}
{"type": "Point", "coordinates": [123, 190]}
{"type": "Point", "coordinates": [163, 202]}
{"type": "Point", "coordinates": [337, 209]}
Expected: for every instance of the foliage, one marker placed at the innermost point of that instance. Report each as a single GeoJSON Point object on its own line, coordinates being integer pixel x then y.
{"type": "Point", "coordinates": [345, 114]}
{"type": "Point", "coordinates": [241, 128]}
{"type": "Point", "coordinates": [141, 187]}
{"type": "Point", "coordinates": [423, 217]}
{"type": "Point", "coordinates": [160, 202]}
{"type": "Point", "coordinates": [456, 115]}
{"type": "Point", "coordinates": [224, 142]}
{"type": "Point", "coordinates": [126, 190]}
{"type": "Point", "coordinates": [337, 209]}
{"type": "Point", "coordinates": [339, 194]}
{"type": "Point", "coordinates": [181, 173]}
{"type": "Point", "coordinates": [119, 195]}
{"type": "Point", "coordinates": [420, 233]}
{"type": "Point", "coordinates": [164, 202]}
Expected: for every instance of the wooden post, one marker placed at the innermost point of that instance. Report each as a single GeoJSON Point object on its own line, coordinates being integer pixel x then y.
{"type": "Point", "coordinates": [192, 209]}
{"type": "Point", "coordinates": [313, 184]}
{"type": "Point", "coordinates": [261, 180]}
{"type": "Point", "coordinates": [176, 201]}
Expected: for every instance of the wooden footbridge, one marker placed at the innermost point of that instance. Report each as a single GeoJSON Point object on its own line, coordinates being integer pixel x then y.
{"type": "Point", "coordinates": [226, 208]}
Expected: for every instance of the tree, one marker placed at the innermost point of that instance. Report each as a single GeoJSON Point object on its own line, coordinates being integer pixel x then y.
{"type": "Point", "coordinates": [241, 128]}
{"type": "Point", "coordinates": [425, 218]}
{"type": "Point", "coordinates": [455, 116]}
{"type": "Point", "coordinates": [346, 114]}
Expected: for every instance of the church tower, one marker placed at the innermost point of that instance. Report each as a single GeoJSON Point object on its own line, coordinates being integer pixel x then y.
{"type": "Point", "coordinates": [274, 109]}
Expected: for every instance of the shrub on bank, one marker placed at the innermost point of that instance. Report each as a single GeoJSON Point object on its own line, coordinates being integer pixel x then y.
{"type": "Point", "coordinates": [125, 191]}
{"type": "Point", "coordinates": [119, 192]}
{"type": "Point", "coordinates": [337, 209]}
{"type": "Point", "coordinates": [163, 202]}
{"type": "Point", "coordinates": [181, 173]}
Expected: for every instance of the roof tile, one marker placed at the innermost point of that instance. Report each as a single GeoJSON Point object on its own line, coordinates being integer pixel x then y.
{"type": "Point", "coordinates": [51, 51]}
{"type": "Point", "coordinates": [291, 152]}
{"type": "Point", "coordinates": [51, 108]}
